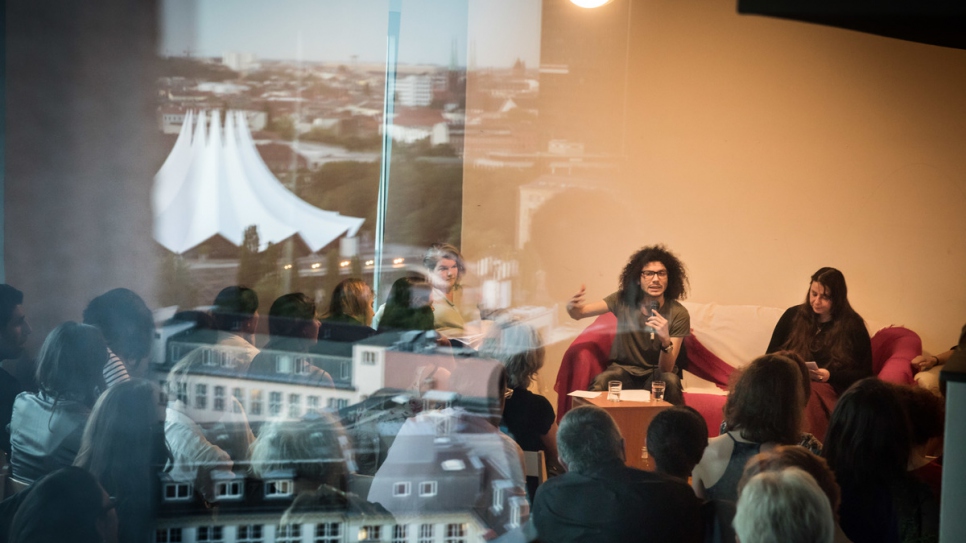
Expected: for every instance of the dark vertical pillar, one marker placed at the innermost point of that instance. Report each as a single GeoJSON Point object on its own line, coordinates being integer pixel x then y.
{"type": "Point", "coordinates": [82, 147]}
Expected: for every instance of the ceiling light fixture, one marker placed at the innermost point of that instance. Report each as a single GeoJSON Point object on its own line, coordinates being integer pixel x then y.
{"type": "Point", "coordinates": [590, 3]}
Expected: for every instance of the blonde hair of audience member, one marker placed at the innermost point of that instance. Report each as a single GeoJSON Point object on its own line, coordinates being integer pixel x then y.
{"type": "Point", "coordinates": [786, 506]}
{"type": "Point", "coordinates": [765, 407]}
{"type": "Point", "coordinates": [314, 448]}
{"type": "Point", "coordinates": [352, 298]}
{"type": "Point", "coordinates": [71, 362]}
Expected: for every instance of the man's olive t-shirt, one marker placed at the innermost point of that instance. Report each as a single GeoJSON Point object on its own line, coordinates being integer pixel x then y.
{"type": "Point", "coordinates": [632, 346]}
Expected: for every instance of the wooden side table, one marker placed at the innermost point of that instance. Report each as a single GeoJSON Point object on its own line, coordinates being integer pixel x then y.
{"type": "Point", "coordinates": [632, 419]}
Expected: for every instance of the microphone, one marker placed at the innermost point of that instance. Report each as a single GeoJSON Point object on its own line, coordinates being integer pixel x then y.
{"type": "Point", "coordinates": [651, 306]}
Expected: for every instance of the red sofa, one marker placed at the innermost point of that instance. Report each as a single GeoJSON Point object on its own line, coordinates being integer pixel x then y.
{"type": "Point", "coordinates": [892, 350]}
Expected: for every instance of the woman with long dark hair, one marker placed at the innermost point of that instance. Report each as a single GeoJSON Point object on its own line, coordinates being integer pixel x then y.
{"type": "Point", "coordinates": [826, 330]}
{"type": "Point", "coordinates": [868, 446]}
{"type": "Point", "coordinates": [46, 427]}
{"type": "Point", "coordinates": [124, 448]}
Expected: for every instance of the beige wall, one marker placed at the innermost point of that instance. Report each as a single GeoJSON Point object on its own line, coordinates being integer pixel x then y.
{"type": "Point", "coordinates": [760, 150]}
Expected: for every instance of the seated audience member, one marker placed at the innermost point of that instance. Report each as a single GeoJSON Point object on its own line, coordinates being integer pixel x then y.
{"type": "Point", "coordinates": [808, 441]}
{"type": "Point", "coordinates": [601, 499]}
{"type": "Point", "coordinates": [868, 445]}
{"type": "Point", "coordinates": [14, 331]}
{"type": "Point", "coordinates": [927, 367]}
{"type": "Point", "coordinates": [453, 317]}
{"type": "Point", "coordinates": [128, 328]}
{"type": "Point", "coordinates": [350, 312]}
{"type": "Point", "coordinates": [528, 417]}
{"type": "Point", "coordinates": [676, 438]}
{"type": "Point", "coordinates": [67, 505]}
{"type": "Point", "coordinates": [927, 418]}
{"type": "Point", "coordinates": [764, 409]}
{"type": "Point", "coordinates": [786, 506]}
{"type": "Point", "coordinates": [124, 448]}
{"type": "Point", "coordinates": [795, 456]}
{"type": "Point", "coordinates": [194, 453]}
{"type": "Point", "coordinates": [651, 323]}
{"type": "Point", "coordinates": [46, 427]}
{"type": "Point", "coordinates": [313, 452]}
{"type": "Point", "coordinates": [293, 329]}
{"type": "Point", "coordinates": [825, 330]}
{"type": "Point", "coordinates": [409, 307]}
{"type": "Point", "coordinates": [235, 313]}
{"type": "Point", "coordinates": [312, 448]}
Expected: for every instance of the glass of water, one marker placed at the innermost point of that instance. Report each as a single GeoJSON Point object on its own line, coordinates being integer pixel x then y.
{"type": "Point", "coordinates": [614, 391]}
{"type": "Point", "coordinates": [657, 391]}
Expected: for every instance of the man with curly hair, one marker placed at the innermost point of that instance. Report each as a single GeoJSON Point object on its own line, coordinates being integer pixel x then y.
{"type": "Point", "coordinates": [651, 323]}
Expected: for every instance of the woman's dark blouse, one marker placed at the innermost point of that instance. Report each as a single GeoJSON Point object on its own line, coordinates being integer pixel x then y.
{"type": "Point", "coordinates": [842, 373]}
{"type": "Point", "coordinates": [528, 417]}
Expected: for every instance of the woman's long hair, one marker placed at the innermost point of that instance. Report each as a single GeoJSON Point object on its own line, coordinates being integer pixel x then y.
{"type": "Point", "coordinates": [868, 439]}
{"type": "Point", "coordinates": [766, 403]}
{"type": "Point", "coordinates": [352, 298]}
{"type": "Point", "coordinates": [70, 365]}
{"type": "Point", "coordinates": [408, 306]}
{"type": "Point", "coordinates": [837, 341]}
{"type": "Point", "coordinates": [124, 447]}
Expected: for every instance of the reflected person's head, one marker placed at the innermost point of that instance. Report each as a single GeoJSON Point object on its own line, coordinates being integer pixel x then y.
{"type": "Point", "coordinates": [518, 347]}
{"type": "Point", "coordinates": [312, 447]}
{"type": "Point", "coordinates": [126, 322]}
{"type": "Point", "coordinates": [409, 306]}
{"type": "Point", "coordinates": [676, 438]}
{"type": "Point", "coordinates": [236, 310]}
{"type": "Point", "coordinates": [446, 265]}
{"type": "Point", "coordinates": [352, 298]}
{"type": "Point", "coordinates": [293, 316]}
{"type": "Point", "coordinates": [588, 437]}
{"type": "Point", "coordinates": [14, 329]}
{"type": "Point", "coordinates": [67, 505]}
{"type": "Point", "coordinates": [71, 362]}
{"type": "Point", "coordinates": [124, 436]}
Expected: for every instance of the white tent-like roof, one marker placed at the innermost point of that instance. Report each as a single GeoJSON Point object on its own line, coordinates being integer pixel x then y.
{"type": "Point", "coordinates": [214, 182]}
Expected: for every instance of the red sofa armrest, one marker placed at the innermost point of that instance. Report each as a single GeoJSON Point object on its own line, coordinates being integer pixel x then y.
{"type": "Point", "coordinates": [584, 359]}
{"type": "Point", "coordinates": [893, 349]}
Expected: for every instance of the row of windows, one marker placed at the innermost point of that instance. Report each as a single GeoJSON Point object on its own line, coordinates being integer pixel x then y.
{"type": "Point", "coordinates": [284, 363]}
{"type": "Point", "coordinates": [181, 491]}
{"type": "Point", "coordinates": [276, 403]}
{"type": "Point", "coordinates": [427, 489]}
{"type": "Point", "coordinates": [325, 532]}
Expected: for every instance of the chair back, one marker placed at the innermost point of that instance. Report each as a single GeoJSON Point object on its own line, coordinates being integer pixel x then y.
{"type": "Point", "coordinates": [535, 465]}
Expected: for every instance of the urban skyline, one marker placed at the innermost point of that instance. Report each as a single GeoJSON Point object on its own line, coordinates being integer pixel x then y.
{"type": "Point", "coordinates": [486, 33]}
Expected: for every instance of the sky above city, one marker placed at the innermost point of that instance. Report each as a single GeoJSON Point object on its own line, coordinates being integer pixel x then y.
{"type": "Point", "coordinates": [494, 33]}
